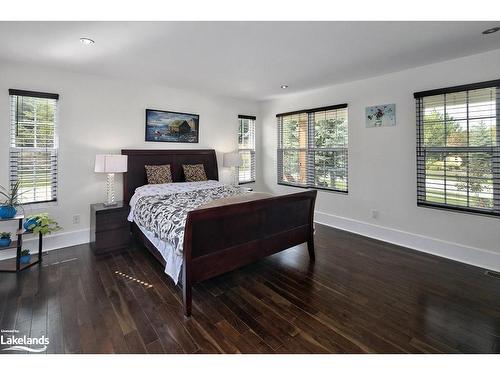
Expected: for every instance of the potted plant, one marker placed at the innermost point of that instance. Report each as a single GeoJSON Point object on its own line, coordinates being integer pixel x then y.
{"type": "Point", "coordinates": [5, 239]}
{"type": "Point", "coordinates": [8, 208]}
{"type": "Point", "coordinates": [25, 256]}
{"type": "Point", "coordinates": [41, 223]}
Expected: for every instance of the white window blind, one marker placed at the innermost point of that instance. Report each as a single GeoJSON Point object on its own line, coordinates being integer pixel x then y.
{"type": "Point", "coordinates": [458, 148]}
{"type": "Point", "coordinates": [312, 148]}
{"type": "Point", "coordinates": [246, 148]}
{"type": "Point", "coordinates": [34, 145]}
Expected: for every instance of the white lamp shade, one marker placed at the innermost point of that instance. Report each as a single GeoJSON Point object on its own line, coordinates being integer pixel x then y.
{"type": "Point", "coordinates": [110, 163]}
{"type": "Point", "coordinates": [232, 159]}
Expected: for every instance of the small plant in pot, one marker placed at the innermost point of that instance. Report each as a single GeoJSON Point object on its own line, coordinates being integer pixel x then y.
{"type": "Point", "coordinates": [25, 256]}
{"type": "Point", "coordinates": [5, 239]}
{"type": "Point", "coordinates": [41, 223]}
{"type": "Point", "coordinates": [11, 198]}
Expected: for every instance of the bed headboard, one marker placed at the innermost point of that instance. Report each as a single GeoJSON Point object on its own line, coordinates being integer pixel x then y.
{"type": "Point", "coordinates": [137, 159]}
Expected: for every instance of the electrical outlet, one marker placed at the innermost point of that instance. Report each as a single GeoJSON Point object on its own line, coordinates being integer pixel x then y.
{"type": "Point", "coordinates": [76, 219]}
{"type": "Point", "coordinates": [374, 214]}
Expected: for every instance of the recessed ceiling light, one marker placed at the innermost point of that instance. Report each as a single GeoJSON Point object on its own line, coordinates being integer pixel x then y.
{"type": "Point", "coordinates": [491, 31]}
{"type": "Point", "coordinates": [284, 86]}
{"type": "Point", "coordinates": [86, 41]}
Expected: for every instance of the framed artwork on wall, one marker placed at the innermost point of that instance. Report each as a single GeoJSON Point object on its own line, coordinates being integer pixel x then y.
{"type": "Point", "coordinates": [380, 115]}
{"type": "Point", "coordinates": [167, 126]}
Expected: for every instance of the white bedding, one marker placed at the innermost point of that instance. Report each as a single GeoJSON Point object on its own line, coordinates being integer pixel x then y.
{"type": "Point", "coordinates": [173, 264]}
{"type": "Point", "coordinates": [173, 260]}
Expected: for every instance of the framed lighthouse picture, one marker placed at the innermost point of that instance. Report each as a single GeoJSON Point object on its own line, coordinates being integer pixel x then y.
{"type": "Point", "coordinates": [166, 126]}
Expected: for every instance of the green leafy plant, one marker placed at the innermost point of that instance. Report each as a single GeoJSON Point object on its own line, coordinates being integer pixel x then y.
{"type": "Point", "coordinates": [11, 196]}
{"type": "Point", "coordinates": [44, 224]}
{"type": "Point", "coordinates": [25, 252]}
{"type": "Point", "coordinates": [5, 234]}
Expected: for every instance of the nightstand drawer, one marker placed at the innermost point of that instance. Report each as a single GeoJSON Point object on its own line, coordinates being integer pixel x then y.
{"type": "Point", "coordinates": [109, 228]}
{"type": "Point", "coordinates": [111, 220]}
{"type": "Point", "coordinates": [112, 239]}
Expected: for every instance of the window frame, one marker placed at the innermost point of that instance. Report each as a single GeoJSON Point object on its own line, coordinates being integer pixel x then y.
{"type": "Point", "coordinates": [494, 149]}
{"type": "Point", "coordinates": [253, 166]}
{"type": "Point", "coordinates": [311, 147]}
{"type": "Point", "coordinates": [54, 151]}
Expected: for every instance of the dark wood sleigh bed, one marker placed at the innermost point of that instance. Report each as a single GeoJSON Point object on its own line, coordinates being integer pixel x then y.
{"type": "Point", "coordinates": [222, 238]}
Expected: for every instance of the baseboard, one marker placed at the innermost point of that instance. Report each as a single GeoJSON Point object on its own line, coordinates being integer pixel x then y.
{"type": "Point", "coordinates": [461, 253]}
{"type": "Point", "coordinates": [52, 242]}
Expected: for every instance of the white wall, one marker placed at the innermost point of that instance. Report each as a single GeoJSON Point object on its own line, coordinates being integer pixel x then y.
{"type": "Point", "coordinates": [382, 165]}
{"type": "Point", "coordinates": [100, 115]}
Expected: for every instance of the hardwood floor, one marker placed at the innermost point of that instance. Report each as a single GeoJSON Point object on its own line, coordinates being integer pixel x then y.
{"type": "Point", "coordinates": [360, 296]}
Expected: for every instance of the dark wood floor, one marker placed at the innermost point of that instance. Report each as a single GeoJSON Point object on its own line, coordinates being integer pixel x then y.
{"type": "Point", "coordinates": [360, 296]}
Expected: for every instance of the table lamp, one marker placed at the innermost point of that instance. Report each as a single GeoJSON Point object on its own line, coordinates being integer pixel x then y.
{"type": "Point", "coordinates": [110, 164]}
{"type": "Point", "coordinates": [232, 160]}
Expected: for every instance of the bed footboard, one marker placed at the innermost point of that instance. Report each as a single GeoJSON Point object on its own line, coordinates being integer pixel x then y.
{"type": "Point", "coordinates": [221, 239]}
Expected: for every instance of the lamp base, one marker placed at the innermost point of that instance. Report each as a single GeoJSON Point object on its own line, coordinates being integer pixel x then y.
{"type": "Point", "coordinates": [110, 190]}
{"type": "Point", "coordinates": [234, 176]}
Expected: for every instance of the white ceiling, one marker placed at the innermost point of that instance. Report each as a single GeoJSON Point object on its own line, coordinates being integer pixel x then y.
{"type": "Point", "coordinates": [242, 59]}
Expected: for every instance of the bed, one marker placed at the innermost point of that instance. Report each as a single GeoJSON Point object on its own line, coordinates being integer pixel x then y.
{"type": "Point", "coordinates": [224, 234]}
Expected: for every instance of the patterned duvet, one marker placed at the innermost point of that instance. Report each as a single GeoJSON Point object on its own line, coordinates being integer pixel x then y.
{"type": "Point", "coordinates": [161, 210]}
{"type": "Point", "coordinates": [165, 215]}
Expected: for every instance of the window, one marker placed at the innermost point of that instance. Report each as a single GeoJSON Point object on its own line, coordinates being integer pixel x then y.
{"type": "Point", "coordinates": [458, 148]}
{"type": "Point", "coordinates": [33, 145]}
{"type": "Point", "coordinates": [312, 148]}
{"type": "Point", "coordinates": [246, 148]}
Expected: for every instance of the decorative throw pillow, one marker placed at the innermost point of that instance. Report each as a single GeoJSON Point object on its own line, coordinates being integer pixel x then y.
{"type": "Point", "coordinates": [158, 174]}
{"type": "Point", "coordinates": [194, 172]}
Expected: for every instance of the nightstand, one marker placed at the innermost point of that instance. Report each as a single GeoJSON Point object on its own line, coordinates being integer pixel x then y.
{"type": "Point", "coordinates": [109, 228]}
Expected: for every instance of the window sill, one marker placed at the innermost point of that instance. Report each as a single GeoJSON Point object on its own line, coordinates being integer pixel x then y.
{"type": "Point", "coordinates": [458, 210]}
{"type": "Point", "coordinates": [39, 205]}
{"type": "Point", "coordinates": [345, 192]}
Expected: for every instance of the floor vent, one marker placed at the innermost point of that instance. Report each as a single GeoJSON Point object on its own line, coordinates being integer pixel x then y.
{"type": "Point", "coordinates": [493, 274]}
